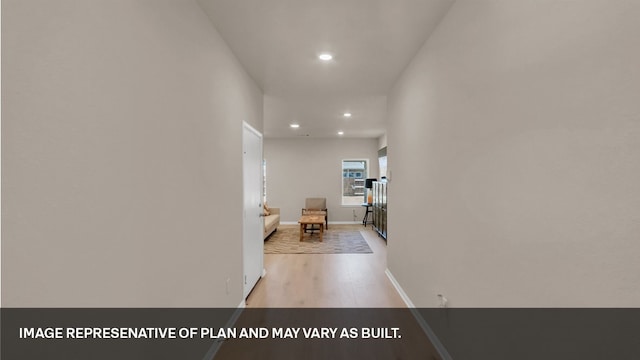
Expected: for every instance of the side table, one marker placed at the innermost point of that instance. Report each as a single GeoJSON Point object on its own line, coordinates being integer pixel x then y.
{"type": "Point", "coordinates": [369, 210]}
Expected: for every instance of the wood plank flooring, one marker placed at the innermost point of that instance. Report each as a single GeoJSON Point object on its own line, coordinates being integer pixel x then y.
{"type": "Point", "coordinates": [328, 280]}
{"type": "Point", "coordinates": [302, 281]}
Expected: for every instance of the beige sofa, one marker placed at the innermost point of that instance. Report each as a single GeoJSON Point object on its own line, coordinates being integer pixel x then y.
{"type": "Point", "coordinates": [271, 222]}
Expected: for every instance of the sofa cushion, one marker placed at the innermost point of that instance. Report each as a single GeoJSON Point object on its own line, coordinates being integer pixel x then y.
{"type": "Point", "coordinates": [271, 222]}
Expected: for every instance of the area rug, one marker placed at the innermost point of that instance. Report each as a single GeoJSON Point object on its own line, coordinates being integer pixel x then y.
{"type": "Point", "coordinates": [287, 241]}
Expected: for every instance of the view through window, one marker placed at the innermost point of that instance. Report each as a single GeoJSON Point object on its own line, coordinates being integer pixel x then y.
{"type": "Point", "coordinates": [354, 173]}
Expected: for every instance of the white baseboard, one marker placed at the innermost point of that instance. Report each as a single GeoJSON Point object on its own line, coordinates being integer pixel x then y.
{"type": "Point", "coordinates": [230, 324]}
{"type": "Point", "coordinates": [330, 223]}
{"type": "Point", "coordinates": [399, 289]}
{"type": "Point", "coordinates": [437, 344]}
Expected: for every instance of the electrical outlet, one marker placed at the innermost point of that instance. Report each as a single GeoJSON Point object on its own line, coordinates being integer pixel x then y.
{"type": "Point", "coordinates": [227, 285]}
{"type": "Point", "coordinates": [444, 302]}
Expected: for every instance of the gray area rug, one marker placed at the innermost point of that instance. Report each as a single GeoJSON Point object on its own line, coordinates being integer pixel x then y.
{"type": "Point", "coordinates": [287, 241]}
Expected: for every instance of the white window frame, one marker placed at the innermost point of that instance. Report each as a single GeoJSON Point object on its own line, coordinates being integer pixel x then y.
{"type": "Point", "coordinates": [365, 176]}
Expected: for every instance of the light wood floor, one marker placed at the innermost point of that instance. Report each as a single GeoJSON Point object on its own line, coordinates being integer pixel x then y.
{"type": "Point", "coordinates": [328, 280]}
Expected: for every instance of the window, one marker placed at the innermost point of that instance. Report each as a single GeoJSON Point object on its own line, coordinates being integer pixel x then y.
{"type": "Point", "coordinates": [382, 162]}
{"type": "Point", "coordinates": [354, 173]}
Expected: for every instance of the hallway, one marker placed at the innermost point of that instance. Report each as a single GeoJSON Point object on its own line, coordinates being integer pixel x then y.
{"type": "Point", "coordinates": [511, 129]}
{"type": "Point", "coordinates": [328, 280]}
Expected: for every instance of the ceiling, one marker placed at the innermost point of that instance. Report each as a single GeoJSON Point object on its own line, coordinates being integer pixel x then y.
{"type": "Point", "coordinates": [278, 43]}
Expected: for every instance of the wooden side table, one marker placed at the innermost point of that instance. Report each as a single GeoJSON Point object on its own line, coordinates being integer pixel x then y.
{"type": "Point", "coordinates": [306, 220]}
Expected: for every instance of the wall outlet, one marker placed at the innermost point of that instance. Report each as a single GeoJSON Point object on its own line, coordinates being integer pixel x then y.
{"type": "Point", "coordinates": [227, 285]}
{"type": "Point", "coordinates": [444, 302]}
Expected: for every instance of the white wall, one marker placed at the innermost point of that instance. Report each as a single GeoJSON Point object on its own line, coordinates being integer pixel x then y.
{"type": "Point", "coordinates": [312, 167]}
{"type": "Point", "coordinates": [121, 158]}
{"type": "Point", "coordinates": [382, 141]}
{"type": "Point", "coordinates": [514, 143]}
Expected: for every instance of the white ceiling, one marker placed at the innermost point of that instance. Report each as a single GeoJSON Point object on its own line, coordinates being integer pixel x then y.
{"type": "Point", "coordinates": [278, 41]}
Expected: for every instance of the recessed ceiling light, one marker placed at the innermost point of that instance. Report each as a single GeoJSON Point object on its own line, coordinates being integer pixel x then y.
{"type": "Point", "coordinates": [340, 132]}
{"type": "Point", "coordinates": [325, 56]}
{"type": "Point", "coordinates": [347, 114]}
{"type": "Point", "coordinates": [294, 126]}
